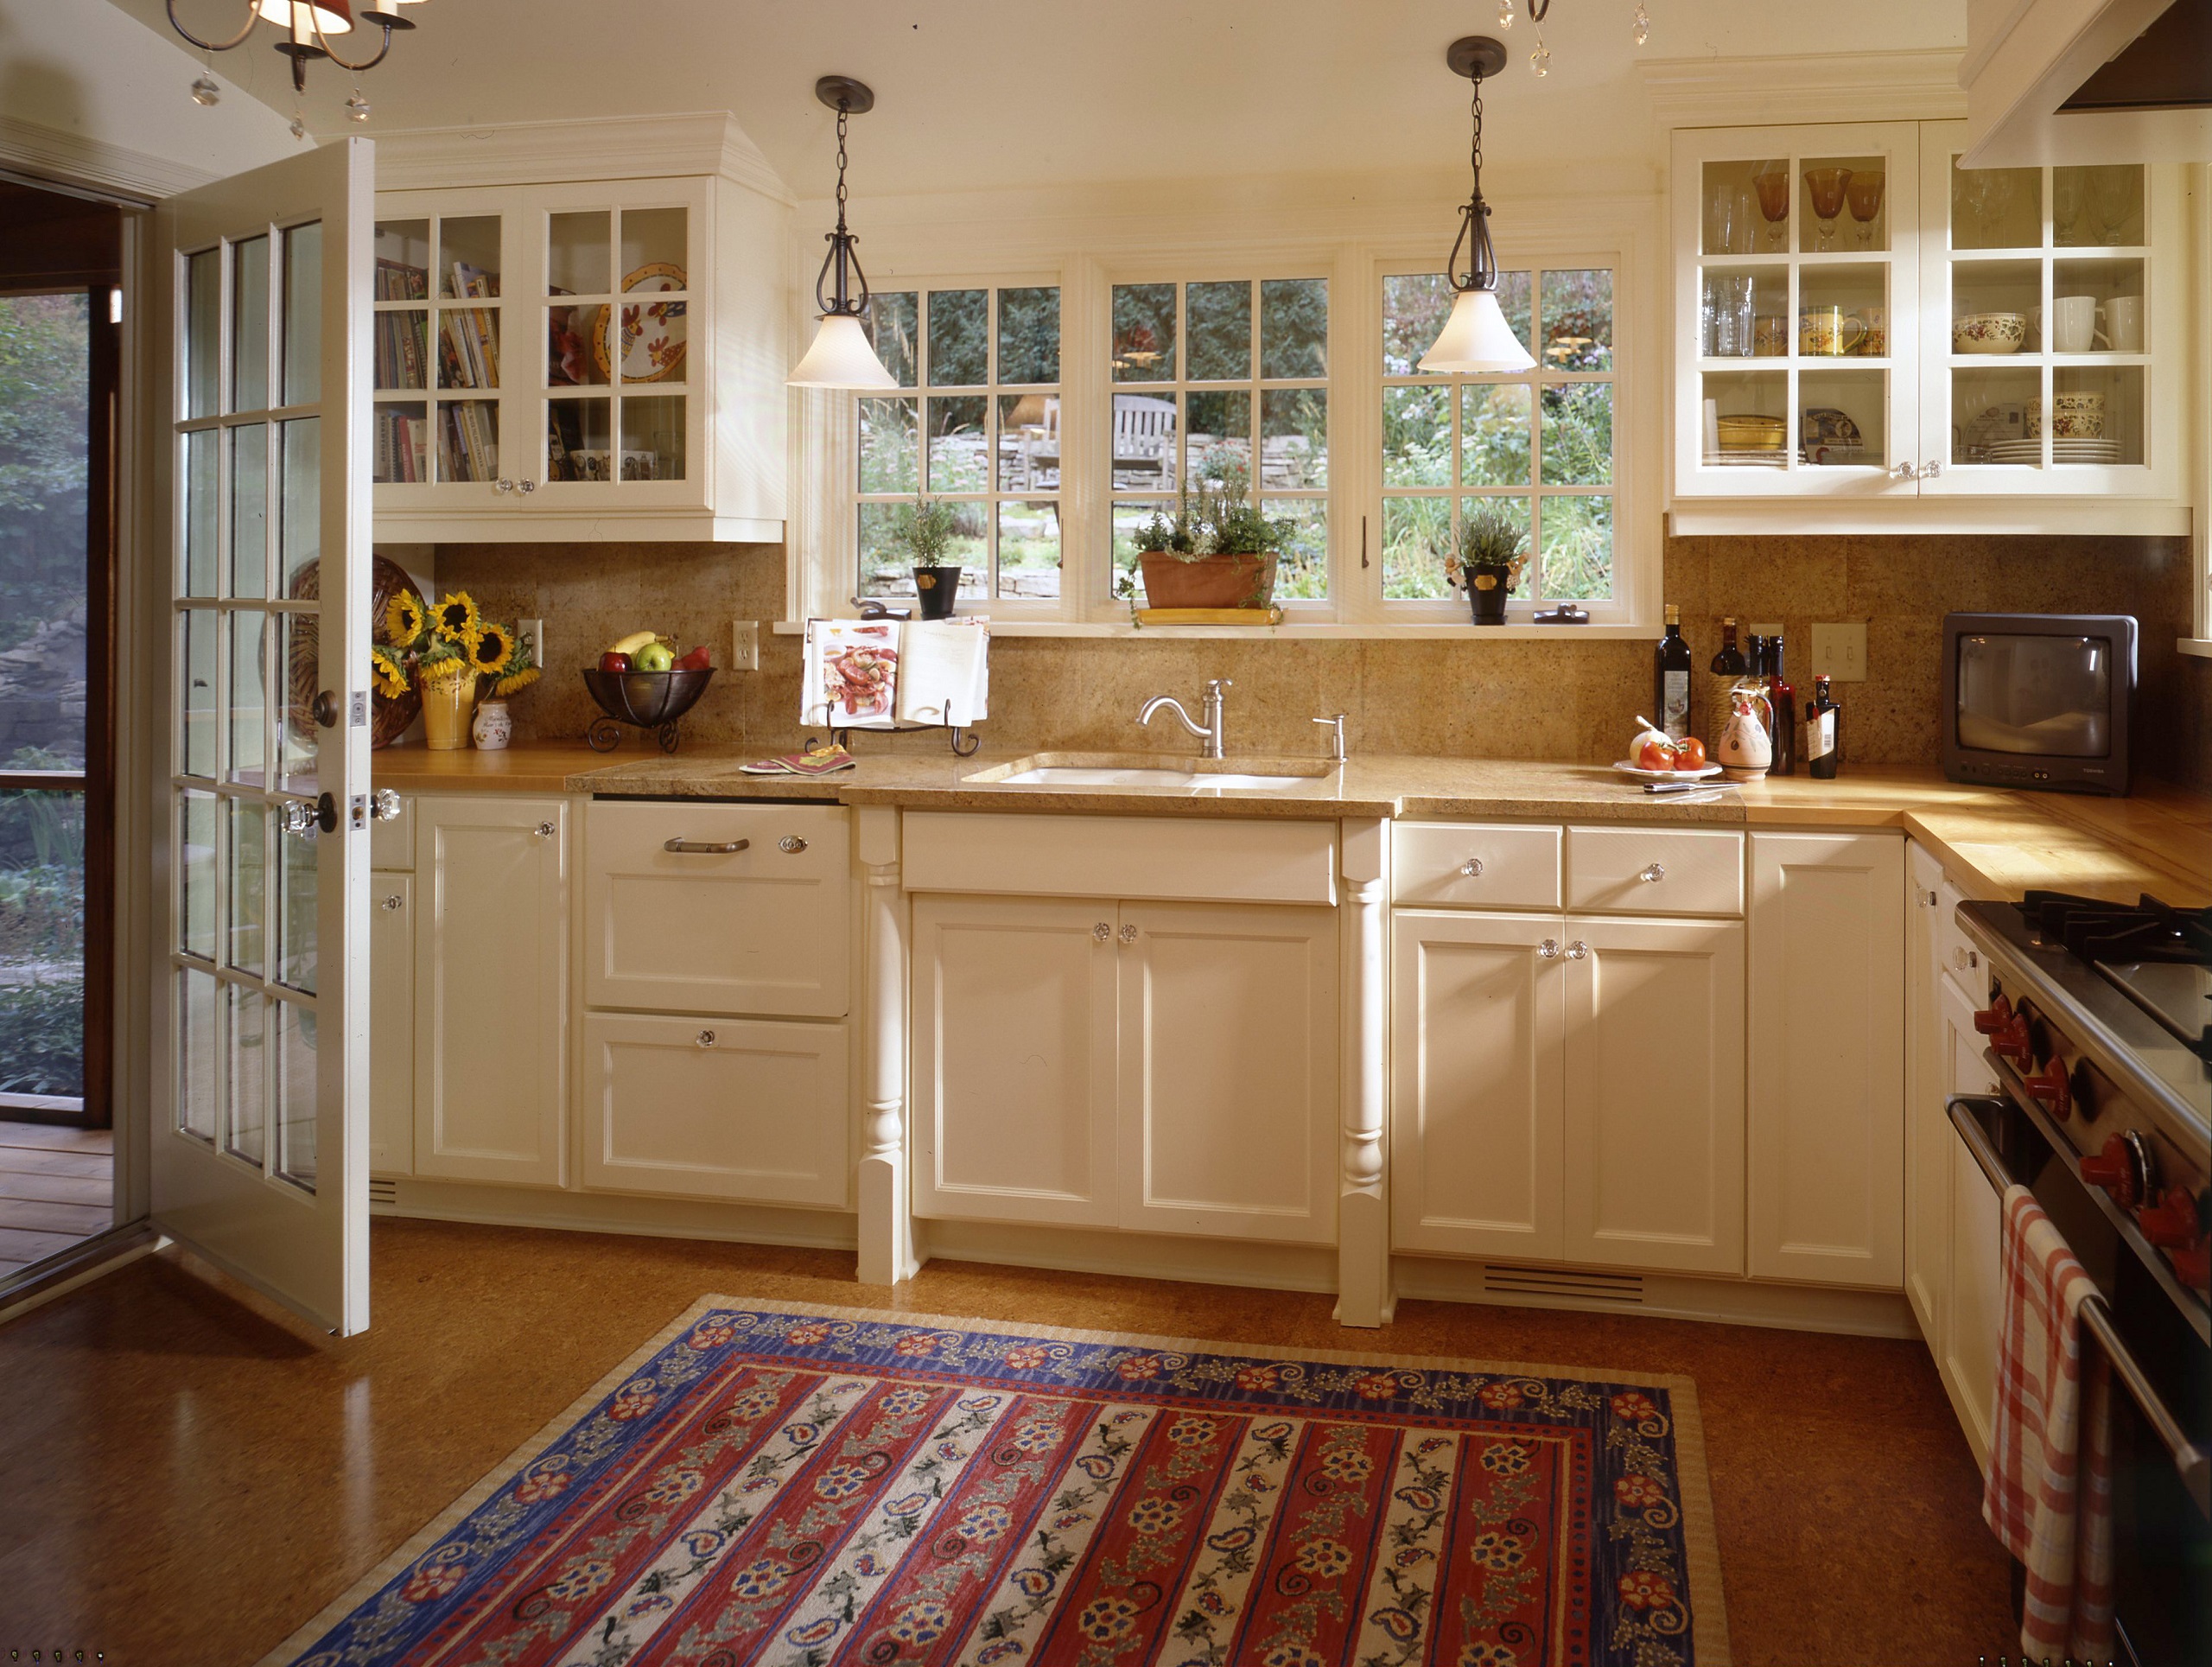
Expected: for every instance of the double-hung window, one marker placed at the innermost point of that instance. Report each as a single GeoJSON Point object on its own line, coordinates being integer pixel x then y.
{"type": "Point", "coordinates": [976, 425]}
{"type": "Point", "coordinates": [1538, 444]}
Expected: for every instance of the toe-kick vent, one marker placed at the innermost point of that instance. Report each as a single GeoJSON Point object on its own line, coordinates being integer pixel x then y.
{"type": "Point", "coordinates": [383, 1192]}
{"type": "Point", "coordinates": [1553, 1284]}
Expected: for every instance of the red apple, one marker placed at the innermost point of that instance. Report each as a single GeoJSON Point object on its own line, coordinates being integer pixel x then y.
{"type": "Point", "coordinates": [696, 660]}
{"type": "Point", "coordinates": [611, 661]}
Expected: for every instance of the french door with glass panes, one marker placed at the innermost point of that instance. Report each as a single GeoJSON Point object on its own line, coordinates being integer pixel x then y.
{"type": "Point", "coordinates": [260, 1136]}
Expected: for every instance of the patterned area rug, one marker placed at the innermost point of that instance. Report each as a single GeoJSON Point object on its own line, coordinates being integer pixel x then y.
{"type": "Point", "coordinates": [812, 1487]}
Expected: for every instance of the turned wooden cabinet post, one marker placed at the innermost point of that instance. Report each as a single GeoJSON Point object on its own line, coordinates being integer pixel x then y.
{"type": "Point", "coordinates": [887, 1229]}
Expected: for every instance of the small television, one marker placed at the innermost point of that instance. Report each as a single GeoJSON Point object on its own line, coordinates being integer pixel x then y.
{"type": "Point", "coordinates": [2038, 700]}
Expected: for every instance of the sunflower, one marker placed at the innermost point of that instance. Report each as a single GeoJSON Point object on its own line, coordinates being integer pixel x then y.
{"type": "Point", "coordinates": [516, 681]}
{"type": "Point", "coordinates": [386, 672]}
{"type": "Point", "coordinates": [456, 618]}
{"type": "Point", "coordinates": [438, 670]}
{"type": "Point", "coordinates": [403, 618]}
{"type": "Point", "coordinates": [492, 651]}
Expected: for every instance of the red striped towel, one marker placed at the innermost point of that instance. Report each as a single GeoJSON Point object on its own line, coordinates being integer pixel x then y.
{"type": "Point", "coordinates": [2049, 1495]}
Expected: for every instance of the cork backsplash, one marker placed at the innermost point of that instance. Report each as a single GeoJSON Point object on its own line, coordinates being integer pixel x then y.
{"type": "Point", "coordinates": [1563, 699]}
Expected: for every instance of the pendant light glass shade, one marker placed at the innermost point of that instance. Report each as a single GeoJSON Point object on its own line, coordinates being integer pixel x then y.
{"type": "Point", "coordinates": [1476, 338]}
{"type": "Point", "coordinates": [841, 357]}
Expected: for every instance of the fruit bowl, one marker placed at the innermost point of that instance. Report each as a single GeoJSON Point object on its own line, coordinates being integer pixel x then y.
{"type": "Point", "coordinates": [651, 700]}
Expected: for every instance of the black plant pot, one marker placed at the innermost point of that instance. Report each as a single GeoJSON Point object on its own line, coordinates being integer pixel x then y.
{"type": "Point", "coordinates": [935, 589]}
{"type": "Point", "coordinates": [1486, 588]}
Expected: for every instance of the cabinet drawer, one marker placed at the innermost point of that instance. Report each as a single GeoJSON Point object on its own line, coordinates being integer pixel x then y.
{"type": "Point", "coordinates": [1475, 865]}
{"type": "Point", "coordinates": [1655, 871]}
{"type": "Point", "coordinates": [763, 929]}
{"type": "Point", "coordinates": [717, 1108]}
{"type": "Point", "coordinates": [1957, 954]}
{"type": "Point", "coordinates": [392, 844]}
{"type": "Point", "coordinates": [1227, 861]}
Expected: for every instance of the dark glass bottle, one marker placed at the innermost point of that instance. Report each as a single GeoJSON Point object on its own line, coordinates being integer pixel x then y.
{"type": "Point", "coordinates": [1671, 686]}
{"type": "Point", "coordinates": [1729, 668]}
{"type": "Point", "coordinates": [1784, 699]}
{"type": "Point", "coordinates": [1823, 732]}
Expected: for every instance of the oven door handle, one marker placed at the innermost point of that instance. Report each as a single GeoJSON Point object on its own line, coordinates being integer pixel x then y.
{"type": "Point", "coordinates": [2191, 1460]}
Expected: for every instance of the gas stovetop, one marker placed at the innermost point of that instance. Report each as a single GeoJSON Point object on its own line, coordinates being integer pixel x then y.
{"type": "Point", "coordinates": [2158, 955]}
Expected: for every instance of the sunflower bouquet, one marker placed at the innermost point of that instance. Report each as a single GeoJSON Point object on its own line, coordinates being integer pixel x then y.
{"type": "Point", "coordinates": [450, 650]}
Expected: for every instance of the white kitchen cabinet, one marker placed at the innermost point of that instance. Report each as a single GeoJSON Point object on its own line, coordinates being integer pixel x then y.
{"type": "Point", "coordinates": [1826, 1006]}
{"type": "Point", "coordinates": [718, 1108]}
{"type": "Point", "coordinates": [718, 908]}
{"type": "Point", "coordinates": [391, 1024]}
{"type": "Point", "coordinates": [491, 981]}
{"type": "Point", "coordinates": [1161, 1067]}
{"type": "Point", "coordinates": [1885, 425]}
{"type": "Point", "coordinates": [1927, 1136]}
{"type": "Point", "coordinates": [580, 334]}
{"type": "Point", "coordinates": [1014, 1059]}
{"type": "Point", "coordinates": [1479, 1084]}
{"type": "Point", "coordinates": [1229, 1089]}
{"type": "Point", "coordinates": [1653, 1151]}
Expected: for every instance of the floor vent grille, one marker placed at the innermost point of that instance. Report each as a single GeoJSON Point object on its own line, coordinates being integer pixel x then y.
{"type": "Point", "coordinates": [383, 1192]}
{"type": "Point", "coordinates": [1556, 1282]}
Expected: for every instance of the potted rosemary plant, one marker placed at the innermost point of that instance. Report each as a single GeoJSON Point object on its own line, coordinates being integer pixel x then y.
{"type": "Point", "coordinates": [1217, 550]}
{"type": "Point", "coordinates": [927, 530]}
{"type": "Point", "coordinates": [1491, 555]}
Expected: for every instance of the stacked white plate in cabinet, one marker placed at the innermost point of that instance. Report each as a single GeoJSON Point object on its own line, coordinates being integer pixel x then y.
{"type": "Point", "coordinates": [2061, 451]}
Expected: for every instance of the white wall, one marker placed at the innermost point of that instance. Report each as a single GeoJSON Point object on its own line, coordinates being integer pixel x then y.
{"type": "Point", "coordinates": [88, 92]}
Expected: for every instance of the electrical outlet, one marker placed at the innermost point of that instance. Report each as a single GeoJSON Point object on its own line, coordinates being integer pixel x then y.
{"type": "Point", "coordinates": [1839, 651]}
{"type": "Point", "coordinates": [531, 635]}
{"type": "Point", "coordinates": [745, 645]}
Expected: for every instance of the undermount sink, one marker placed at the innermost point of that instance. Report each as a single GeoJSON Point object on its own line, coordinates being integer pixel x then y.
{"type": "Point", "coordinates": [1199, 775]}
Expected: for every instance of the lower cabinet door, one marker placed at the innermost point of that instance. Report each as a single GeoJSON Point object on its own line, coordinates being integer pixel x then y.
{"type": "Point", "coordinates": [717, 1108]}
{"type": "Point", "coordinates": [491, 990]}
{"type": "Point", "coordinates": [1229, 1077]}
{"type": "Point", "coordinates": [1973, 1302]}
{"type": "Point", "coordinates": [1655, 1094]}
{"type": "Point", "coordinates": [1012, 1058]}
{"type": "Point", "coordinates": [391, 1024]}
{"type": "Point", "coordinates": [1478, 1083]}
{"type": "Point", "coordinates": [1927, 1131]}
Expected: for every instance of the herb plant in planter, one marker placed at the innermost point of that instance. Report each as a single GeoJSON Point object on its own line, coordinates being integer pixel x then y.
{"type": "Point", "coordinates": [927, 531]}
{"type": "Point", "coordinates": [1218, 550]}
{"type": "Point", "coordinates": [1491, 556]}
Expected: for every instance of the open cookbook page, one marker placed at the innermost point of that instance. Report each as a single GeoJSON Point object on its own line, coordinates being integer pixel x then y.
{"type": "Point", "coordinates": [851, 678]}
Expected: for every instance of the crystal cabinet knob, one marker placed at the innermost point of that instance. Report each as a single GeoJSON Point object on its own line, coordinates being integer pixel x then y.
{"type": "Point", "coordinates": [791, 844]}
{"type": "Point", "coordinates": [1654, 873]}
{"type": "Point", "coordinates": [385, 804]}
{"type": "Point", "coordinates": [1931, 468]}
{"type": "Point", "coordinates": [706, 1039]}
{"type": "Point", "coordinates": [1102, 931]}
{"type": "Point", "coordinates": [1906, 471]}
{"type": "Point", "coordinates": [1128, 934]}
{"type": "Point", "coordinates": [1473, 868]}
{"type": "Point", "coordinates": [299, 820]}
{"type": "Point", "coordinates": [546, 831]}
{"type": "Point", "coordinates": [1548, 949]}
{"type": "Point", "coordinates": [391, 903]}
{"type": "Point", "coordinates": [1577, 951]}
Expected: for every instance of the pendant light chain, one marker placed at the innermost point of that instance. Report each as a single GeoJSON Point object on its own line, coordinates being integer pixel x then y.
{"type": "Point", "coordinates": [842, 113]}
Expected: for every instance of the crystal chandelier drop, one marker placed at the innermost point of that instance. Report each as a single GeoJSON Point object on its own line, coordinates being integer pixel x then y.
{"type": "Point", "coordinates": [307, 27]}
{"type": "Point", "coordinates": [1540, 60]}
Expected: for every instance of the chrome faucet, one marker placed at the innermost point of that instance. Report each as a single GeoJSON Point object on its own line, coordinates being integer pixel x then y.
{"type": "Point", "coordinates": [1213, 731]}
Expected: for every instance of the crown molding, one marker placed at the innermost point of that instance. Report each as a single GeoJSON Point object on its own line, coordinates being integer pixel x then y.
{"type": "Point", "coordinates": [600, 148]}
{"type": "Point", "coordinates": [73, 159]}
{"type": "Point", "coordinates": [1845, 86]}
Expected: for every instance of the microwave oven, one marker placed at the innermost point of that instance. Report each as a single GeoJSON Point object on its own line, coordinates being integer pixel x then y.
{"type": "Point", "coordinates": [2038, 700]}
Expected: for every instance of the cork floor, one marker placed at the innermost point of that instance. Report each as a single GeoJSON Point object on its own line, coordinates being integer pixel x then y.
{"type": "Point", "coordinates": [189, 1477]}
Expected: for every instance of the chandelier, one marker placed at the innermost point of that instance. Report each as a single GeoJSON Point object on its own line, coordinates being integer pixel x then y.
{"type": "Point", "coordinates": [307, 26]}
{"type": "Point", "coordinates": [841, 356]}
{"type": "Point", "coordinates": [1540, 60]}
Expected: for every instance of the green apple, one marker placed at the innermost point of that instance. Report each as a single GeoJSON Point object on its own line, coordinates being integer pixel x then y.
{"type": "Point", "coordinates": [653, 656]}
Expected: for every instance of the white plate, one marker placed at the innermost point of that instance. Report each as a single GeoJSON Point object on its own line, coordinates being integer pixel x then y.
{"type": "Point", "coordinates": [1642, 775]}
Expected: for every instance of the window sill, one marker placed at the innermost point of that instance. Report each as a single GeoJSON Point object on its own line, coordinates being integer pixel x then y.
{"type": "Point", "coordinates": [2199, 646]}
{"type": "Point", "coordinates": [1424, 631]}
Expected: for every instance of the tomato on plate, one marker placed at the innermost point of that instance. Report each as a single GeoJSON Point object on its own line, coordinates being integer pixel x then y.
{"type": "Point", "coordinates": [1654, 753]}
{"type": "Point", "coordinates": [1689, 753]}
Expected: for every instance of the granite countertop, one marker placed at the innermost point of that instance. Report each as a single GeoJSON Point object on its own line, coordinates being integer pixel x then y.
{"type": "Point", "coordinates": [1996, 843]}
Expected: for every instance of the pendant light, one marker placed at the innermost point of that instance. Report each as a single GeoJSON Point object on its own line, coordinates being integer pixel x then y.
{"type": "Point", "coordinates": [1476, 338]}
{"type": "Point", "coordinates": [841, 356]}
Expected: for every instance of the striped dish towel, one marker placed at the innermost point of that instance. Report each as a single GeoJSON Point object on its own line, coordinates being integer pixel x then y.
{"type": "Point", "coordinates": [2049, 1494]}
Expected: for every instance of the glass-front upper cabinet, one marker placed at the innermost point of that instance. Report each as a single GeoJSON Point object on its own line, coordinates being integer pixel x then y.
{"type": "Point", "coordinates": [437, 284]}
{"type": "Point", "coordinates": [2047, 315]}
{"type": "Point", "coordinates": [1796, 269]}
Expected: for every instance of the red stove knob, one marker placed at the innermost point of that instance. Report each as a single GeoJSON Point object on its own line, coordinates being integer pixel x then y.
{"type": "Point", "coordinates": [2053, 1089]}
{"type": "Point", "coordinates": [1994, 1017]}
{"type": "Point", "coordinates": [2009, 1039]}
{"type": "Point", "coordinates": [2193, 1265]}
{"type": "Point", "coordinates": [2172, 1222]}
{"type": "Point", "coordinates": [2118, 1170]}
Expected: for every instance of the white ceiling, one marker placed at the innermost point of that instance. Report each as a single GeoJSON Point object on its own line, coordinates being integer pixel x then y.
{"type": "Point", "coordinates": [1023, 93]}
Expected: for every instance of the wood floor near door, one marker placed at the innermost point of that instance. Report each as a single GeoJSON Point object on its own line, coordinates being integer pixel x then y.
{"type": "Point", "coordinates": [192, 1478]}
{"type": "Point", "coordinates": [57, 1186]}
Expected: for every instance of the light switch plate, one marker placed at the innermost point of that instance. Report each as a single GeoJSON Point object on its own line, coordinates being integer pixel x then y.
{"type": "Point", "coordinates": [532, 633]}
{"type": "Point", "coordinates": [1840, 651]}
{"type": "Point", "coordinates": [745, 645]}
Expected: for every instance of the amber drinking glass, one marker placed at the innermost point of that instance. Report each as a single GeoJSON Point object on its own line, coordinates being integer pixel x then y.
{"type": "Point", "coordinates": [1772, 184]}
{"type": "Point", "coordinates": [1825, 187]}
{"type": "Point", "coordinates": [1864, 194]}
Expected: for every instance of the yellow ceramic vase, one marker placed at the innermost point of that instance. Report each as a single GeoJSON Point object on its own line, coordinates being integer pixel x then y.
{"type": "Point", "coordinates": [446, 707]}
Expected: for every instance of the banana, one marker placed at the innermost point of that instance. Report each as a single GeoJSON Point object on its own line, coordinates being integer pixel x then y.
{"type": "Point", "coordinates": [633, 642]}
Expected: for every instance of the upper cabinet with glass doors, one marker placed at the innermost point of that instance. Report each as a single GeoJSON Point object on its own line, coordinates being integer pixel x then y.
{"type": "Point", "coordinates": [1922, 346]}
{"type": "Point", "coordinates": [580, 359]}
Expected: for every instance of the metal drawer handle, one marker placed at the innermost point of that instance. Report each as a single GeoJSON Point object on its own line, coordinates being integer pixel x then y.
{"type": "Point", "coordinates": [706, 1039]}
{"type": "Point", "coordinates": [1577, 951]}
{"type": "Point", "coordinates": [791, 844]}
{"type": "Point", "coordinates": [684, 847]}
{"type": "Point", "coordinates": [1548, 949]}
{"type": "Point", "coordinates": [394, 901]}
{"type": "Point", "coordinates": [1473, 868]}
{"type": "Point", "coordinates": [1128, 934]}
{"type": "Point", "coordinates": [1657, 871]}
{"type": "Point", "coordinates": [547, 830]}
{"type": "Point", "coordinates": [1102, 931]}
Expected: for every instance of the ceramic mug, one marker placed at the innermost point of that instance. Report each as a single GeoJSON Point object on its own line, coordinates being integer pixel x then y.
{"type": "Point", "coordinates": [1827, 332]}
{"type": "Point", "coordinates": [2124, 315]}
{"type": "Point", "coordinates": [2074, 324]}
